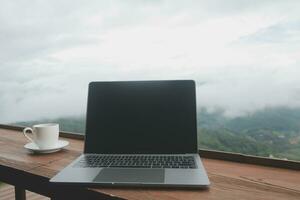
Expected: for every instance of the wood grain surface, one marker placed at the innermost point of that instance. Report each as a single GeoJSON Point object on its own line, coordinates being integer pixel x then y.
{"type": "Point", "coordinates": [229, 180]}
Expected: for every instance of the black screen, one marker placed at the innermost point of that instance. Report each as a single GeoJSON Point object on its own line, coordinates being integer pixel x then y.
{"type": "Point", "coordinates": [141, 117]}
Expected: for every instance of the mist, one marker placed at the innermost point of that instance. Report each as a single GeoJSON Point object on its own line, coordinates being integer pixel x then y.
{"type": "Point", "coordinates": [244, 55]}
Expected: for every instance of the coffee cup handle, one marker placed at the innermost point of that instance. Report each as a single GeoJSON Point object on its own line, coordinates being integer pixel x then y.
{"type": "Point", "coordinates": [24, 133]}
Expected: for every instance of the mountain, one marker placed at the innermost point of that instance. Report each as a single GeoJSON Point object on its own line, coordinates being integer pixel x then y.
{"type": "Point", "coordinates": [280, 119]}
{"type": "Point", "coordinates": [271, 132]}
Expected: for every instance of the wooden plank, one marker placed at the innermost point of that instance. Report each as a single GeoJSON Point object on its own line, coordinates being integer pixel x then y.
{"type": "Point", "coordinates": [230, 180]}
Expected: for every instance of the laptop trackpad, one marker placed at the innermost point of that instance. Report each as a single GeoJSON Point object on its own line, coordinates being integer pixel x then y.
{"type": "Point", "coordinates": [131, 175]}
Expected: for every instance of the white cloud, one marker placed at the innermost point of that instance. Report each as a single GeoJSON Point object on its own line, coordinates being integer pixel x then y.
{"type": "Point", "coordinates": [50, 51]}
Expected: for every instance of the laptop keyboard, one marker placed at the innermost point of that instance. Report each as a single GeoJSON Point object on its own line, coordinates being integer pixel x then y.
{"type": "Point", "coordinates": [137, 161]}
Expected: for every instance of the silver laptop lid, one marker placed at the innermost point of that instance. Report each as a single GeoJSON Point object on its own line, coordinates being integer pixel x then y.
{"type": "Point", "coordinates": [141, 117]}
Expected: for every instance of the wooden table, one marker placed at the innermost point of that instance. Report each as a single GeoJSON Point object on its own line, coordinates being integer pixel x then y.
{"type": "Point", "coordinates": [230, 180]}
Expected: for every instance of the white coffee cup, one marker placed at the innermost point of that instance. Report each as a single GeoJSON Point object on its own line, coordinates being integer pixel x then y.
{"type": "Point", "coordinates": [45, 136]}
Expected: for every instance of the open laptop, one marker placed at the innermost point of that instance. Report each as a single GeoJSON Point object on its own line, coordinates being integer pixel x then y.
{"type": "Point", "coordinates": [139, 133]}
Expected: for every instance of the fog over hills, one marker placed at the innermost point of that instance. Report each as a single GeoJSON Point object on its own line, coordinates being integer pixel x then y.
{"type": "Point", "coordinates": [280, 119]}
{"type": "Point", "coordinates": [270, 132]}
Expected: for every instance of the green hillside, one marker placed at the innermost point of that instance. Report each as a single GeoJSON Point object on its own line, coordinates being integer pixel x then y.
{"type": "Point", "coordinates": [280, 119]}
{"type": "Point", "coordinates": [273, 132]}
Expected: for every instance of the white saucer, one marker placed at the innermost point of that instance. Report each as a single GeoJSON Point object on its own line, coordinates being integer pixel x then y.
{"type": "Point", "coordinates": [34, 148]}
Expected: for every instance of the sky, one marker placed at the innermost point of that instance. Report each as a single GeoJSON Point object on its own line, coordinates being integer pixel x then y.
{"type": "Point", "coordinates": [244, 55]}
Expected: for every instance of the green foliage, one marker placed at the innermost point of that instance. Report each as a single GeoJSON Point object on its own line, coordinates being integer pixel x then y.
{"type": "Point", "coordinates": [225, 140]}
{"type": "Point", "coordinates": [269, 132]}
{"type": "Point", "coordinates": [280, 119]}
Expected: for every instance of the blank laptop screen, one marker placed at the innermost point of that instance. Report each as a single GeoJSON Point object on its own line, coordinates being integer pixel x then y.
{"type": "Point", "coordinates": [134, 117]}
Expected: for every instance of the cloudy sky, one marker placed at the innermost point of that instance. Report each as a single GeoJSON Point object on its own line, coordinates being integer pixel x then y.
{"type": "Point", "coordinates": [244, 55]}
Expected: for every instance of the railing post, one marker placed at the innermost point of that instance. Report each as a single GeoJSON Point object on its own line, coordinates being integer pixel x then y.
{"type": "Point", "coordinates": [20, 193]}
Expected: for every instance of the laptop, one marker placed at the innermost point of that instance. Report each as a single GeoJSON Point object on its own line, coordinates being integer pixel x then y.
{"type": "Point", "coordinates": [139, 133]}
